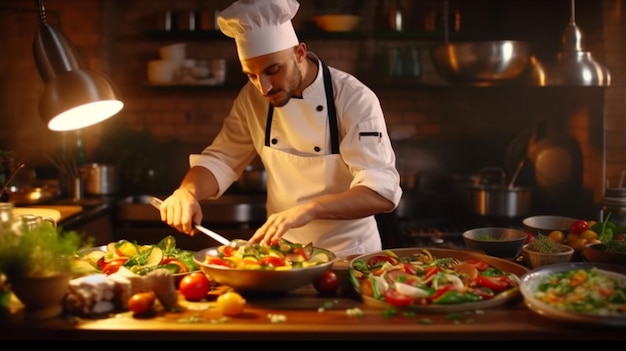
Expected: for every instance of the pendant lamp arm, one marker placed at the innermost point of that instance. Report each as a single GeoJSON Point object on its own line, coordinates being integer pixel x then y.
{"type": "Point", "coordinates": [52, 51]}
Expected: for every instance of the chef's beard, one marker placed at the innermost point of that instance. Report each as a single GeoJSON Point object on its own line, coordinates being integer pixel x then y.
{"type": "Point", "coordinates": [290, 90]}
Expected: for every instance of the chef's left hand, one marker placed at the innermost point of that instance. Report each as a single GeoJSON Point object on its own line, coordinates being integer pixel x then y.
{"type": "Point", "coordinates": [277, 224]}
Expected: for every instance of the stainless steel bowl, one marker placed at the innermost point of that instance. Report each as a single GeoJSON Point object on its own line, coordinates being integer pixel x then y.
{"type": "Point", "coordinates": [481, 62]}
{"type": "Point", "coordinates": [262, 281]}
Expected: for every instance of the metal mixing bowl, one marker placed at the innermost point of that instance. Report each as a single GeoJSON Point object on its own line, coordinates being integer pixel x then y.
{"type": "Point", "coordinates": [481, 62]}
{"type": "Point", "coordinates": [262, 281]}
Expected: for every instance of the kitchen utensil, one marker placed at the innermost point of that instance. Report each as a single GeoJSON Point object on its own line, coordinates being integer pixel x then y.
{"type": "Point", "coordinates": [498, 199]}
{"type": "Point", "coordinates": [156, 202]}
{"type": "Point", "coordinates": [520, 165]}
{"type": "Point", "coordinates": [4, 197]}
{"type": "Point", "coordinates": [99, 179]}
{"type": "Point", "coordinates": [480, 62]}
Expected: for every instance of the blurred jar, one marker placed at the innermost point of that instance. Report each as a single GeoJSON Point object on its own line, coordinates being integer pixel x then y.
{"type": "Point", "coordinates": [614, 203]}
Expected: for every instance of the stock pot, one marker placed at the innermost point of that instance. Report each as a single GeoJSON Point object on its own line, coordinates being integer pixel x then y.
{"type": "Point", "coordinates": [496, 198]}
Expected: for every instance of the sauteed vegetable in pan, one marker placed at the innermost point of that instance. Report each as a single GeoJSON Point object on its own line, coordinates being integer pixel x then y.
{"type": "Point", "coordinates": [422, 279]}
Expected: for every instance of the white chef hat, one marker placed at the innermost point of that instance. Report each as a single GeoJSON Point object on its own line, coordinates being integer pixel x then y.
{"type": "Point", "coordinates": [259, 27]}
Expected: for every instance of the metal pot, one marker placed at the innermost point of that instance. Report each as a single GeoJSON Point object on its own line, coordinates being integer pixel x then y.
{"type": "Point", "coordinates": [498, 199]}
{"type": "Point", "coordinates": [99, 179]}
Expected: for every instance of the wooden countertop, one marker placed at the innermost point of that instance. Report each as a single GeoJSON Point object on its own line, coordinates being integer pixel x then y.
{"type": "Point", "coordinates": [305, 321]}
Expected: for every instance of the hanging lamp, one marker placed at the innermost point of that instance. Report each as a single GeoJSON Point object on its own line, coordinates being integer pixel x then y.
{"type": "Point", "coordinates": [73, 96]}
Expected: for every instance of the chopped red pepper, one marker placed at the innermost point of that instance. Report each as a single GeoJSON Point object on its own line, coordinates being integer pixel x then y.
{"type": "Point", "coordinates": [478, 263]}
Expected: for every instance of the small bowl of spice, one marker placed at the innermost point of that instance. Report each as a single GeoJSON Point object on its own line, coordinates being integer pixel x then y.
{"type": "Point", "coordinates": [496, 241]}
{"type": "Point", "coordinates": [543, 251]}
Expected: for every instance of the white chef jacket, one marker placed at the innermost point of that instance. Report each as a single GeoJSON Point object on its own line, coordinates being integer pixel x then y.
{"type": "Point", "coordinates": [301, 128]}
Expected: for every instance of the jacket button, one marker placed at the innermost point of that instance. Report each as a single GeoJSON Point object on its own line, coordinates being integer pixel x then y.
{"type": "Point", "coordinates": [317, 149]}
{"type": "Point", "coordinates": [319, 108]}
{"type": "Point", "coordinates": [274, 141]}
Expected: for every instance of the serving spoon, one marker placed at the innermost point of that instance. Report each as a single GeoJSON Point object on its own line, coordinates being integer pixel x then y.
{"type": "Point", "coordinates": [156, 203]}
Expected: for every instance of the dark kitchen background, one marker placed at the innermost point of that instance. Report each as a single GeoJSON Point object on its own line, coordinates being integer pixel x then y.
{"type": "Point", "coordinates": [439, 130]}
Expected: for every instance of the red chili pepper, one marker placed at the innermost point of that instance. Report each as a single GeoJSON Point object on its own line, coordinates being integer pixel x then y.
{"type": "Point", "coordinates": [430, 271]}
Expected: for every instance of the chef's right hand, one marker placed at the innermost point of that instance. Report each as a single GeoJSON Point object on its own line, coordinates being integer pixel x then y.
{"type": "Point", "coordinates": [181, 211]}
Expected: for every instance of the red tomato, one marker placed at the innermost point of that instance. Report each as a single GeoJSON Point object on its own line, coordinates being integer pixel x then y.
{"type": "Point", "coordinates": [380, 259]}
{"type": "Point", "coordinates": [397, 299]}
{"type": "Point", "coordinates": [113, 265]}
{"type": "Point", "coordinates": [271, 261]}
{"type": "Point", "coordinates": [579, 226]}
{"type": "Point", "coordinates": [479, 264]}
{"type": "Point", "coordinates": [496, 283]}
{"type": "Point", "coordinates": [327, 284]}
{"type": "Point", "coordinates": [194, 286]}
{"type": "Point", "coordinates": [141, 303]}
{"type": "Point", "coordinates": [530, 237]}
{"type": "Point", "coordinates": [218, 261]}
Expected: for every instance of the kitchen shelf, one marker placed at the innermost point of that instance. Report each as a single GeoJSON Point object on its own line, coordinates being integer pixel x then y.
{"type": "Point", "coordinates": [316, 34]}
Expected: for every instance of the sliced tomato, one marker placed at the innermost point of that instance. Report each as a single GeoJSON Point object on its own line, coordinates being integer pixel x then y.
{"type": "Point", "coordinates": [113, 265]}
{"type": "Point", "coordinates": [397, 299]}
{"type": "Point", "coordinates": [442, 290]}
{"type": "Point", "coordinates": [496, 283]}
{"type": "Point", "coordinates": [302, 252]}
{"type": "Point", "coordinates": [431, 271]}
{"type": "Point", "coordinates": [271, 261]}
{"type": "Point", "coordinates": [478, 263]}
{"type": "Point", "coordinates": [409, 268]}
{"type": "Point", "coordinates": [378, 260]}
{"type": "Point", "coordinates": [227, 251]}
{"type": "Point", "coordinates": [483, 292]}
{"type": "Point", "coordinates": [217, 261]}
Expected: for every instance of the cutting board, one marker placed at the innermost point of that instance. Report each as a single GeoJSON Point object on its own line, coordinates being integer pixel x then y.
{"type": "Point", "coordinates": [64, 211]}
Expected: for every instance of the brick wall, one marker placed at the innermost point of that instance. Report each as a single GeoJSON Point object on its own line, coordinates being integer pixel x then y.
{"type": "Point", "coordinates": [111, 36]}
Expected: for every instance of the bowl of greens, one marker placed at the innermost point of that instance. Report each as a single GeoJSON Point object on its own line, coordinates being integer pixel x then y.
{"type": "Point", "coordinates": [610, 246]}
{"type": "Point", "coordinates": [496, 241]}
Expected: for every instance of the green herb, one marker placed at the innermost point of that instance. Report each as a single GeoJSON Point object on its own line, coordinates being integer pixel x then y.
{"type": "Point", "coordinates": [486, 237]}
{"type": "Point", "coordinates": [43, 251]}
{"type": "Point", "coordinates": [389, 312]}
{"type": "Point", "coordinates": [543, 244]}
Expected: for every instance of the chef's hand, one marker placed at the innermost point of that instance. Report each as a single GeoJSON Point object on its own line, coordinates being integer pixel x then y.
{"type": "Point", "coordinates": [181, 211]}
{"type": "Point", "coordinates": [277, 224]}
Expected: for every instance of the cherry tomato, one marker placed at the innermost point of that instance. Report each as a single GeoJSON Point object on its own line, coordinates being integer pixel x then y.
{"type": "Point", "coordinates": [579, 226]}
{"type": "Point", "coordinates": [194, 286]}
{"type": "Point", "coordinates": [396, 299]}
{"type": "Point", "coordinates": [327, 284]}
{"type": "Point", "coordinates": [231, 303]}
{"type": "Point", "coordinates": [556, 236]}
{"type": "Point", "coordinates": [530, 237]}
{"type": "Point", "coordinates": [141, 303]}
{"type": "Point", "coordinates": [380, 259]}
{"type": "Point", "coordinates": [589, 235]}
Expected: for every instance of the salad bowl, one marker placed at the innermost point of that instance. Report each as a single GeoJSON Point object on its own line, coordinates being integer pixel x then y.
{"type": "Point", "coordinates": [262, 280]}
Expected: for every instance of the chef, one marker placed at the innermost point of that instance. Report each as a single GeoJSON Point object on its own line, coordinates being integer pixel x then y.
{"type": "Point", "coordinates": [319, 132]}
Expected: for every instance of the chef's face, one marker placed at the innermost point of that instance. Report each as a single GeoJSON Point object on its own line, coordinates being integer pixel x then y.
{"type": "Point", "coordinates": [277, 76]}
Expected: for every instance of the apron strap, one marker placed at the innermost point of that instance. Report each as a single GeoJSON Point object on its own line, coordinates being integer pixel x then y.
{"type": "Point", "coordinates": [332, 113]}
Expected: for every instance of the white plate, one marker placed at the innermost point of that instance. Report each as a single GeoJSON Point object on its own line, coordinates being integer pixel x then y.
{"type": "Point", "coordinates": [530, 281]}
{"type": "Point", "coordinates": [43, 212]}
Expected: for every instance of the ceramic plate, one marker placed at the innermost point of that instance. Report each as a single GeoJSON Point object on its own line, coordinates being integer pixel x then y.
{"type": "Point", "coordinates": [499, 300]}
{"type": "Point", "coordinates": [532, 279]}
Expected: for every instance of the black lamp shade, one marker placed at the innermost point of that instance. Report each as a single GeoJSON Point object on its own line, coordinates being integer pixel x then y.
{"type": "Point", "coordinates": [73, 97]}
